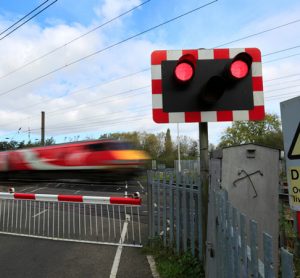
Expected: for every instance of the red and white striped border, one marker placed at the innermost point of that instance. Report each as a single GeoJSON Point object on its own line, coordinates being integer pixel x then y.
{"type": "Point", "coordinates": [159, 116]}
{"type": "Point", "coordinates": [72, 198]}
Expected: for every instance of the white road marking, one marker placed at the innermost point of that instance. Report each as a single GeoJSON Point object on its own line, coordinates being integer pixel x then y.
{"type": "Point", "coordinates": [152, 266]}
{"type": "Point", "coordinates": [57, 185]}
{"type": "Point", "coordinates": [76, 192]}
{"type": "Point", "coordinates": [35, 190]}
{"type": "Point", "coordinates": [141, 185]}
{"type": "Point", "coordinates": [115, 266]}
{"type": "Point", "coordinates": [39, 213]}
{"type": "Point", "coordinates": [26, 189]}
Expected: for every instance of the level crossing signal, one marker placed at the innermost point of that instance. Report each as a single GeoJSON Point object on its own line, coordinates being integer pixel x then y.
{"type": "Point", "coordinates": [207, 85]}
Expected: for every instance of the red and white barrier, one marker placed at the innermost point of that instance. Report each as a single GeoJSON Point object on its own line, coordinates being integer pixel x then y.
{"type": "Point", "coordinates": [72, 198]}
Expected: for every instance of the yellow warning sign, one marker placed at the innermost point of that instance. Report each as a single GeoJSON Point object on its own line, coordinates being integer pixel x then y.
{"type": "Point", "coordinates": [294, 185]}
{"type": "Point", "coordinates": [294, 151]}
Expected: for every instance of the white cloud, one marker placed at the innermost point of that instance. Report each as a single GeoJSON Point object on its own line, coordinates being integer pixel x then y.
{"type": "Point", "coordinates": [112, 8]}
{"type": "Point", "coordinates": [71, 110]}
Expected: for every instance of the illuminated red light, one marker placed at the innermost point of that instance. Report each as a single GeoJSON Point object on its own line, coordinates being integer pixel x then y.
{"type": "Point", "coordinates": [184, 72]}
{"type": "Point", "coordinates": [239, 69]}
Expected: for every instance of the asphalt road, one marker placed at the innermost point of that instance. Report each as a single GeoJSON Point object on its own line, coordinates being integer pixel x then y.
{"type": "Point", "coordinates": [35, 257]}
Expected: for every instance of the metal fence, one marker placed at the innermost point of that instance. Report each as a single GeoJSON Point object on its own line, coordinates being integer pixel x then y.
{"type": "Point", "coordinates": [236, 250]}
{"type": "Point", "coordinates": [191, 167]}
{"type": "Point", "coordinates": [174, 205]}
{"type": "Point", "coordinates": [103, 220]}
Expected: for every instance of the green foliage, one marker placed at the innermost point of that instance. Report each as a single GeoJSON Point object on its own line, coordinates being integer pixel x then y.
{"type": "Point", "coordinates": [267, 132]}
{"type": "Point", "coordinates": [171, 265]}
{"type": "Point", "coordinates": [168, 156]}
{"type": "Point", "coordinates": [152, 145]}
{"type": "Point", "coordinates": [287, 232]}
{"type": "Point", "coordinates": [134, 137]}
{"type": "Point", "coordinates": [13, 145]}
{"type": "Point", "coordinates": [168, 143]}
{"type": "Point", "coordinates": [50, 141]}
{"type": "Point", "coordinates": [193, 150]}
{"type": "Point", "coordinates": [188, 148]}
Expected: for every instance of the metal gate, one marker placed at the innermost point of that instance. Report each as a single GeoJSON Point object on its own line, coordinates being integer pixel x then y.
{"type": "Point", "coordinates": [89, 219]}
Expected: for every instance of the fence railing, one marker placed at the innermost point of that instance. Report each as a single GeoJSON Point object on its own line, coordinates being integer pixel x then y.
{"type": "Point", "coordinates": [174, 205]}
{"type": "Point", "coordinates": [105, 220]}
{"type": "Point", "coordinates": [236, 249]}
{"type": "Point", "coordinates": [190, 167]}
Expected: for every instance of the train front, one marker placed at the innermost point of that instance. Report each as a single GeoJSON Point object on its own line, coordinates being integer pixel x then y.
{"type": "Point", "coordinates": [119, 157]}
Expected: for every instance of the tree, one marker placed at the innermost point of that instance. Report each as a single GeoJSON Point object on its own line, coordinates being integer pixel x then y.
{"type": "Point", "coordinates": [193, 151]}
{"type": "Point", "coordinates": [133, 137]}
{"type": "Point", "coordinates": [168, 143]}
{"type": "Point", "coordinates": [50, 141]}
{"type": "Point", "coordinates": [267, 132]}
{"type": "Point", "coordinates": [152, 145]}
{"type": "Point", "coordinates": [168, 155]}
{"type": "Point", "coordinates": [188, 148]}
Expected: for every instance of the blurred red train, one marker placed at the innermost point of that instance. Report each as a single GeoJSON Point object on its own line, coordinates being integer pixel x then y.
{"type": "Point", "coordinates": [86, 159]}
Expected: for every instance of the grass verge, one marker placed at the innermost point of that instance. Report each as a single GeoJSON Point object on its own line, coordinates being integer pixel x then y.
{"type": "Point", "coordinates": [171, 265]}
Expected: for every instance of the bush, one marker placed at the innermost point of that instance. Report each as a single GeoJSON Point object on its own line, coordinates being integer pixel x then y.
{"type": "Point", "coordinates": [171, 265]}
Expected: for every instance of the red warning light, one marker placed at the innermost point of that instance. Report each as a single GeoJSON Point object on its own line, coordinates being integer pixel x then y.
{"type": "Point", "coordinates": [185, 68]}
{"type": "Point", "coordinates": [239, 69]}
{"type": "Point", "coordinates": [184, 72]}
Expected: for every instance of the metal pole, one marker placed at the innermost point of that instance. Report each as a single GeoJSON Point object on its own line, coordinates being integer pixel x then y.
{"type": "Point", "coordinates": [204, 178]}
{"type": "Point", "coordinates": [43, 128]}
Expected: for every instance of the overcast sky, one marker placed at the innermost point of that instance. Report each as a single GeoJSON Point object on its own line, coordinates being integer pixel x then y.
{"type": "Point", "coordinates": [95, 83]}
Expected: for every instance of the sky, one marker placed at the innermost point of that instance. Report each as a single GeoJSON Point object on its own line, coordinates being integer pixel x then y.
{"type": "Point", "coordinates": [87, 63]}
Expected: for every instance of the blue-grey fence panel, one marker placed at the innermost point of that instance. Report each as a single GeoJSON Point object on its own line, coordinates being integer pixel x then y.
{"type": "Point", "coordinates": [149, 201]}
{"type": "Point", "coordinates": [253, 249]}
{"type": "Point", "coordinates": [243, 248]}
{"type": "Point", "coordinates": [235, 226]}
{"type": "Point", "coordinates": [175, 212]}
{"type": "Point", "coordinates": [154, 201]}
{"type": "Point", "coordinates": [198, 211]}
{"type": "Point", "coordinates": [164, 208]}
{"type": "Point", "coordinates": [236, 247]}
{"type": "Point", "coordinates": [182, 215]}
{"type": "Point", "coordinates": [218, 235]}
{"type": "Point", "coordinates": [178, 224]}
{"type": "Point", "coordinates": [192, 220]}
{"type": "Point", "coordinates": [171, 219]}
{"type": "Point", "coordinates": [287, 267]}
{"type": "Point", "coordinates": [225, 239]}
{"type": "Point", "coordinates": [230, 241]}
{"type": "Point", "coordinates": [268, 258]}
{"type": "Point", "coordinates": [158, 204]}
